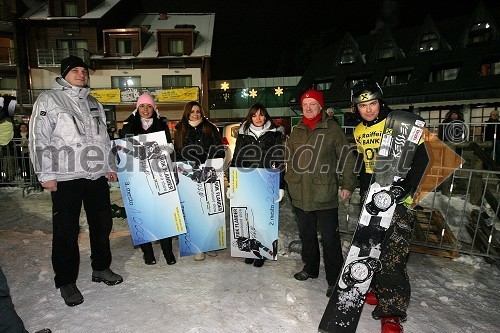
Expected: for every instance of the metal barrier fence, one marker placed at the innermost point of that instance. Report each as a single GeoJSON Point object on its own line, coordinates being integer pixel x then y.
{"type": "Point", "coordinates": [466, 210]}
{"type": "Point", "coordinates": [460, 216]}
{"type": "Point", "coordinates": [16, 168]}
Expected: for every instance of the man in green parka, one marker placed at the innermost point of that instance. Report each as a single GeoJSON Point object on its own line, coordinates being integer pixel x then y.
{"type": "Point", "coordinates": [317, 152]}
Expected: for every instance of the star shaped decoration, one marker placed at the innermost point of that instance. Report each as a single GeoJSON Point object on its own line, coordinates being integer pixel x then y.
{"type": "Point", "coordinates": [224, 85]}
{"type": "Point", "coordinates": [278, 91]}
{"type": "Point", "coordinates": [253, 93]}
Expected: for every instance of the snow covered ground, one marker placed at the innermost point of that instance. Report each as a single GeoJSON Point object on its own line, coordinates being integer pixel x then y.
{"type": "Point", "coordinates": [220, 294]}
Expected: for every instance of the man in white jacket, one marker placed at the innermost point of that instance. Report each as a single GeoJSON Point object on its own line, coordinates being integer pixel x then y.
{"type": "Point", "coordinates": [70, 152]}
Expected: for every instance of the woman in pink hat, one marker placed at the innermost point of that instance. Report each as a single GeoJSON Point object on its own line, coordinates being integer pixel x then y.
{"type": "Point", "coordinates": [143, 120]}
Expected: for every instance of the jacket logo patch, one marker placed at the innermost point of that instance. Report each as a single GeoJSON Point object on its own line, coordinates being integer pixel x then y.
{"type": "Point", "coordinates": [94, 109]}
{"type": "Point", "coordinates": [43, 113]}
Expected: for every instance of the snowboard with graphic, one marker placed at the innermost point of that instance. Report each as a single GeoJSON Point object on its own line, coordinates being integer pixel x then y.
{"type": "Point", "coordinates": [400, 138]}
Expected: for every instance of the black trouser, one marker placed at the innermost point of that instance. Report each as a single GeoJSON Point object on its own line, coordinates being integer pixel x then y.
{"type": "Point", "coordinates": [391, 284]}
{"type": "Point", "coordinates": [328, 222]}
{"type": "Point", "coordinates": [66, 207]}
{"type": "Point", "coordinates": [166, 247]}
{"type": "Point", "coordinates": [10, 321]}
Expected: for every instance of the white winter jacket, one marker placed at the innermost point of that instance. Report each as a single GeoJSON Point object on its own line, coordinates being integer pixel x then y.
{"type": "Point", "coordinates": [68, 135]}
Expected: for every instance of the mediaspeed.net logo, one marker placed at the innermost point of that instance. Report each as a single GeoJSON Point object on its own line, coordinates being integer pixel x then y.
{"type": "Point", "coordinates": [443, 160]}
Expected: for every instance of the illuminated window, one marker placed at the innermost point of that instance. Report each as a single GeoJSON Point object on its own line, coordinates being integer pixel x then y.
{"type": "Point", "coordinates": [429, 42]}
{"type": "Point", "coordinates": [386, 50]}
{"type": "Point", "coordinates": [352, 82]}
{"type": "Point", "coordinates": [480, 33]}
{"type": "Point", "coordinates": [72, 44]}
{"type": "Point", "coordinates": [323, 85]}
{"type": "Point", "coordinates": [348, 56]}
{"type": "Point", "coordinates": [490, 68]}
{"type": "Point", "coordinates": [169, 81]}
{"type": "Point", "coordinates": [176, 46]}
{"type": "Point", "coordinates": [433, 116]}
{"type": "Point", "coordinates": [123, 46]}
{"type": "Point", "coordinates": [8, 82]}
{"type": "Point", "coordinates": [125, 81]}
{"type": "Point", "coordinates": [394, 78]}
{"type": "Point", "coordinates": [69, 9]}
{"type": "Point", "coordinates": [443, 74]}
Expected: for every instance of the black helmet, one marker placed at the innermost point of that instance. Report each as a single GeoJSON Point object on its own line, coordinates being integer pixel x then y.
{"type": "Point", "coordinates": [364, 91]}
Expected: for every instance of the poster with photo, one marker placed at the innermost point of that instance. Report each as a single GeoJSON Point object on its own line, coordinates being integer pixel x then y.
{"type": "Point", "coordinates": [202, 195]}
{"type": "Point", "coordinates": [148, 184]}
{"type": "Point", "coordinates": [254, 212]}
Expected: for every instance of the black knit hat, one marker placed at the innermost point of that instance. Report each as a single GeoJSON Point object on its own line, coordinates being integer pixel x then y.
{"type": "Point", "coordinates": [71, 62]}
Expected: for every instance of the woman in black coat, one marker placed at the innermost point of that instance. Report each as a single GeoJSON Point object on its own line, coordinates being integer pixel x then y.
{"type": "Point", "coordinates": [196, 139]}
{"type": "Point", "coordinates": [259, 145]}
{"type": "Point", "coordinates": [143, 120]}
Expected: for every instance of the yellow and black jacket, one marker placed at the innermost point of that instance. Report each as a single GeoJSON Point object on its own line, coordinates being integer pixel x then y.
{"type": "Point", "coordinates": [367, 136]}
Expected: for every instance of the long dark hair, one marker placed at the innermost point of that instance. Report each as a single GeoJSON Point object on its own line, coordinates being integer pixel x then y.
{"type": "Point", "coordinates": [182, 126]}
{"type": "Point", "coordinates": [253, 110]}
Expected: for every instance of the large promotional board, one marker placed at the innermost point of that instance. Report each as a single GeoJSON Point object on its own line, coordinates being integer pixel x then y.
{"type": "Point", "coordinates": [254, 212]}
{"type": "Point", "coordinates": [201, 191]}
{"type": "Point", "coordinates": [148, 185]}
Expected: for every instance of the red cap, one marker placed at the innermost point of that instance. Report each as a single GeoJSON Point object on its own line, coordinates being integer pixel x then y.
{"type": "Point", "coordinates": [317, 95]}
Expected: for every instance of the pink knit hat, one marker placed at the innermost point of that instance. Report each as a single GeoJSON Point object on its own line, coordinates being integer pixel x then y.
{"type": "Point", "coordinates": [145, 99]}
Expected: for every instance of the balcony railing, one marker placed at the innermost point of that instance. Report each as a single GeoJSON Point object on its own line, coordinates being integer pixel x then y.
{"type": "Point", "coordinates": [53, 57]}
{"type": "Point", "coordinates": [7, 56]}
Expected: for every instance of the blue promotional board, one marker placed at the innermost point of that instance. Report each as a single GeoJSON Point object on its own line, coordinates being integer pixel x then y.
{"type": "Point", "coordinates": [254, 212]}
{"type": "Point", "coordinates": [201, 190]}
{"type": "Point", "coordinates": [148, 185]}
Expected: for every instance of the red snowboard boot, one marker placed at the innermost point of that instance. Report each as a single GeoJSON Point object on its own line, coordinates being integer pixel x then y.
{"type": "Point", "coordinates": [391, 325]}
{"type": "Point", "coordinates": [371, 298]}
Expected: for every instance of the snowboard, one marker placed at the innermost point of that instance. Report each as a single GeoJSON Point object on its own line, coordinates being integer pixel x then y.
{"type": "Point", "coordinates": [400, 138]}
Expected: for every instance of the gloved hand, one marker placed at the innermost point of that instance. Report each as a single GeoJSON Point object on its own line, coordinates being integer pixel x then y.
{"type": "Point", "coordinates": [280, 195]}
{"type": "Point", "coordinates": [229, 193]}
{"type": "Point", "coordinates": [169, 147]}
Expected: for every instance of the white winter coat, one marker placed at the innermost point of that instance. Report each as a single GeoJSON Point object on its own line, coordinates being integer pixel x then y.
{"type": "Point", "coordinates": [68, 135]}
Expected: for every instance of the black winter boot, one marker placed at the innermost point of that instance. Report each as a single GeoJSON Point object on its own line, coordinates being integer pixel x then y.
{"type": "Point", "coordinates": [149, 255]}
{"type": "Point", "coordinates": [166, 246]}
{"type": "Point", "coordinates": [149, 258]}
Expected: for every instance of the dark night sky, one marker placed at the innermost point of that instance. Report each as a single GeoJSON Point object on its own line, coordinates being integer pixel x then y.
{"type": "Point", "coordinates": [252, 37]}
